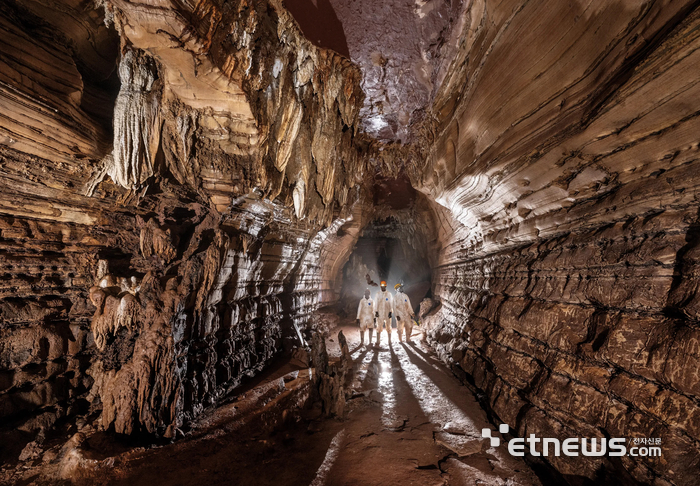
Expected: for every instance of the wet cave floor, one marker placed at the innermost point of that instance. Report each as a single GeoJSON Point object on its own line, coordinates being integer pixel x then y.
{"type": "Point", "coordinates": [408, 420]}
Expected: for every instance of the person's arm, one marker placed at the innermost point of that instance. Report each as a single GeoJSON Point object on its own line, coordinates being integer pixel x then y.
{"type": "Point", "coordinates": [359, 308]}
{"type": "Point", "coordinates": [409, 308]}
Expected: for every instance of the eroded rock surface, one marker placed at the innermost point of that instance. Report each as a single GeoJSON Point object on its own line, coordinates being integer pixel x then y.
{"type": "Point", "coordinates": [401, 46]}
{"type": "Point", "coordinates": [566, 277]}
{"type": "Point", "coordinates": [184, 182]}
{"type": "Point", "coordinates": [147, 272]}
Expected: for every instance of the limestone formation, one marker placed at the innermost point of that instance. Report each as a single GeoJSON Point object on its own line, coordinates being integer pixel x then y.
{"type": "Point", "coordinates": [330, 378]}
{"type": "Point", "coordinates": [573, 212]}
{"type": "Point", "coordinates": [136, 121]}
{"type": "Point", "coordinates": [191, 189]}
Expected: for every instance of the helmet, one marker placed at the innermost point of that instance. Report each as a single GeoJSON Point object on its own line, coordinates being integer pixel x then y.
{"type": "Point", "coordinates": [383, 283]}
{"type": "Point", "coordinates": [396, 287]}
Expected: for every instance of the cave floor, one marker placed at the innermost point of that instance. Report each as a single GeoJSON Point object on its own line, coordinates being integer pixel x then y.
{"type": "Point", "coordinates": [409, 421]}
{"type": "Point", "coordinates": [417, 424]}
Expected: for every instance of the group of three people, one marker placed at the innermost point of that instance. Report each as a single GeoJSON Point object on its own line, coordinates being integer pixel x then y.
{"type": "Point", "coordinates": [377, 313]}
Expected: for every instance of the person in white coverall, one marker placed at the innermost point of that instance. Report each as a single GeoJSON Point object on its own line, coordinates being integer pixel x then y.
{"type": "Point", "coordinates": [383, 310]}
{"type": "Point", "coordinates": [403, 312]}
{"type": "Point", "coordinates": [365, 317]}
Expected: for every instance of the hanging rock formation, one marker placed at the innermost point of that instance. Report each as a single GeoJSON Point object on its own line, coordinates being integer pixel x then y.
{"type": "Point", "coordinates": [136, 121]}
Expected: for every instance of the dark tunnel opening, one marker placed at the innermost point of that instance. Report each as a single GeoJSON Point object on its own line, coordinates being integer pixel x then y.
{"type": "Point", "coordinates": [376, 258]}
{"type": "Point", "coordinates": [392, 247]}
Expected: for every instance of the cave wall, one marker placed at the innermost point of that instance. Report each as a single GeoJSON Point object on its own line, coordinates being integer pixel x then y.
{"type": "Point", "coordinates": [157, 250]}
{"type": "Point", "coordinates": [182, 185]}
{"type": "Point", "coordinates": [565, 173]}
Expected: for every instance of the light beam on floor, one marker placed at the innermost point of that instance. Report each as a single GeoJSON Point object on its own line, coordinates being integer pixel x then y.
{"type": "Point", "coordinates": [385, 380]}
{"type": "Point", "coordinates": [434, 403]}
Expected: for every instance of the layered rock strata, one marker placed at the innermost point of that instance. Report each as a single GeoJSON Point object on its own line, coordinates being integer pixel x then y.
{"type": "Point", "coordinates": [182, 184]}
{"type": "Point", "coordinates": [147, 273]}
{"type": "Point", "coordinates": [567, 183]}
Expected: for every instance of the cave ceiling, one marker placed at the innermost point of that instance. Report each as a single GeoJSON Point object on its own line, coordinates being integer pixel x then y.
{"type": "Point", "coordinates": [399, 45]}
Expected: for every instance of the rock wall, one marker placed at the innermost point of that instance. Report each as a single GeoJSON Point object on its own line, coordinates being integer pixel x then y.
{"type": "Point", "coordinates": [566, 171]}
{"type": "Point", "coordinates": [154, 257]}
{"type": "Point", "coordinates": [182, 183]}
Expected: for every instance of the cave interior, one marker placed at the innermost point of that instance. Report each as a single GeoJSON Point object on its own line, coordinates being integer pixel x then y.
{"type": "Point", "coordinates": [194, 197]}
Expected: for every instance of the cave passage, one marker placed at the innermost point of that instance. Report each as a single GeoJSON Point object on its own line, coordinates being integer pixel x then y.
{"type": "Point", "coordinates": [408, 421]}
{"type": "Point", "coordinates": [378, 258]}
{"type": "Point", "coordinates": [194, 196]}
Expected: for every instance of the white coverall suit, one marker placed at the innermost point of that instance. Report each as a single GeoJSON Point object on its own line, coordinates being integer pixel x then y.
{"type": "Point", "coordinates": [403, 312]}
{"type": "Point", "coordinates": [365, 313]}
{"type": "Point", "coordinates": [383, 305]}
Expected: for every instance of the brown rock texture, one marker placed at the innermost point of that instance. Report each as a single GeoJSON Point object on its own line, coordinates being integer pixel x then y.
{"type": "Point", "coordinates": [400, 45]}
{"type": "Point", "coordinates": [182, 184]}
{"type": "Point", "coordinates": [146, 273]}
{"type": "Point", "coordinates": [565, 166]}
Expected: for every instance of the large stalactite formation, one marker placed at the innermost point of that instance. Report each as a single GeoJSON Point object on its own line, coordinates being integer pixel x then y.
{"type": "Point", "coordinates": [183, 183]}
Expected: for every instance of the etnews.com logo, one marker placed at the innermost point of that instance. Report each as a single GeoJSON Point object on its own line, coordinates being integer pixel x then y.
{"type": "Point", "coordinates": [570, 447]}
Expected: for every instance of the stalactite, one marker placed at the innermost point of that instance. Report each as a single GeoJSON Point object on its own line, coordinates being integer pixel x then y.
{"type": "Point", "coordinates": [136, 121]}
